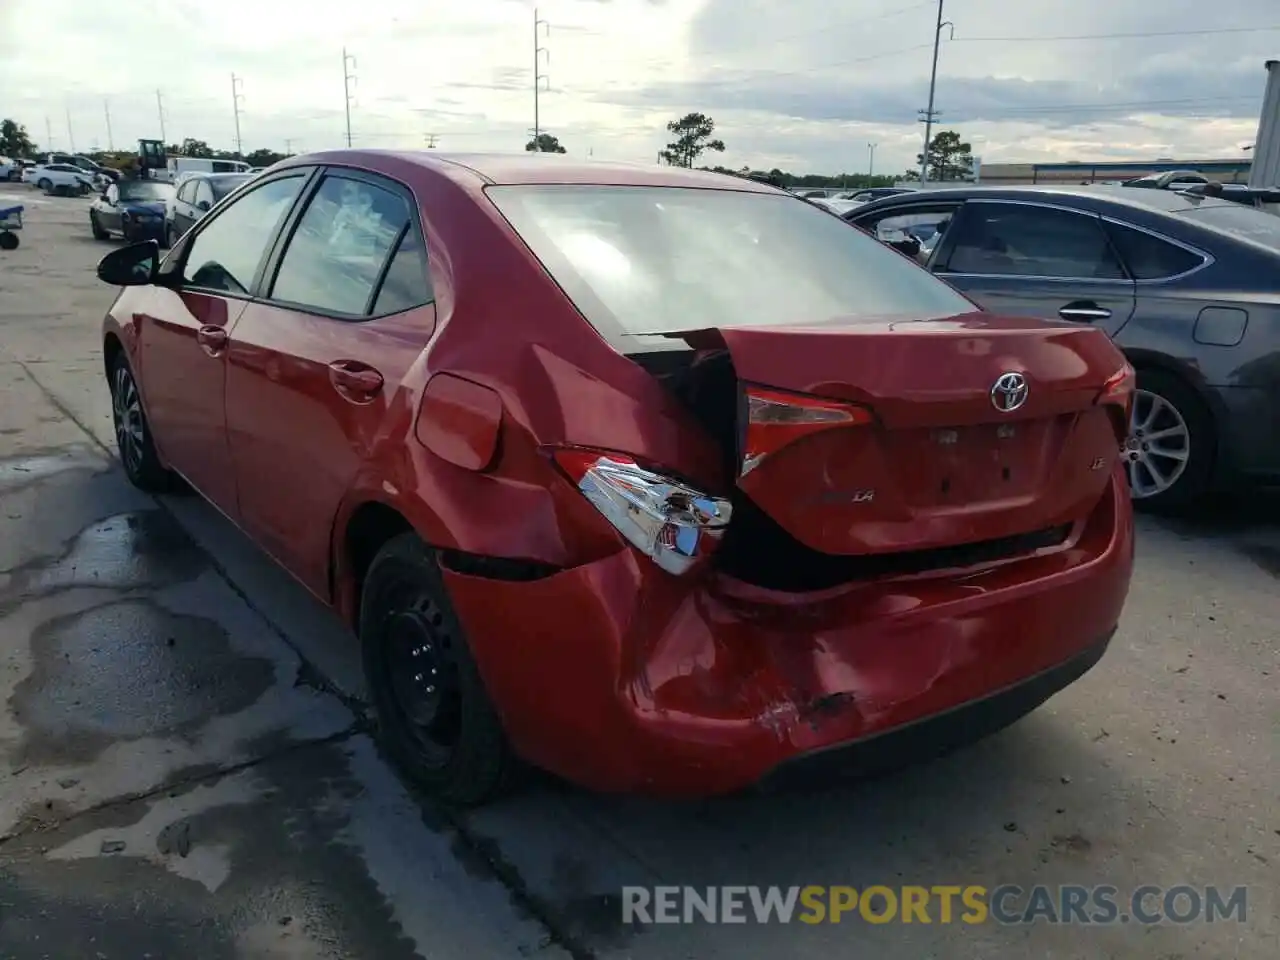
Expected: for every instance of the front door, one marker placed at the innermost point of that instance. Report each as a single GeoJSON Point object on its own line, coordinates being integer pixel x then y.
{"type": "Point", "coordinates": [1029, 259]}
{"type": "Point", "coordinates": [184, 337]}
{"type": "Point", "coordinates": [315, 368]}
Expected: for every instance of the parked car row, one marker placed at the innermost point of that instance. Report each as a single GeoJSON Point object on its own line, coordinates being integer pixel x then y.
{"type": "Point", "coordinates": [657, 479]}
{"type": "Point", "coordinates": [140, 209]}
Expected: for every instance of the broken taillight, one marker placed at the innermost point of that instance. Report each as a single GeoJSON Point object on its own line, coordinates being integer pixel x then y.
{"type": "Point", "coordinates": [666, 519]}
{"type": "Point", "coordinates": [776, 419]}
{"type": "Point", "coordinates": [1117, 396]}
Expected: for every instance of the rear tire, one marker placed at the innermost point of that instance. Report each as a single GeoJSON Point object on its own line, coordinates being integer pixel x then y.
{"type": "Point", "coordinates": [1172, 446]}
{"type": "Point", "coordinates": [133, 433]}
{"type": "Point", "coordinates": [435, 718]}
{"type": "Point", "coordinates": [96, 227]}
{"type": "Point", "coordinates": [44, 184]}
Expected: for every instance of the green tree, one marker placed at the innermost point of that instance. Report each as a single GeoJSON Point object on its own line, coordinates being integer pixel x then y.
{"type": "Point", "coordinates": [14, 140]}
{"type": "Point", "coordinates": [192, 148]}
{"type": "Point", "coordinates": [950, 158]}
{"type": "Point", "coordinates": [544, 143]}
{"type": "Point", "coordinates": [263, 157]}
{"type": "Point", "coordinates": [694, 137]}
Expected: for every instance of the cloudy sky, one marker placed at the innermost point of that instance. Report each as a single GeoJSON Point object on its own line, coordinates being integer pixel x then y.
{"type": "Point", "coordinates": [804, 85]}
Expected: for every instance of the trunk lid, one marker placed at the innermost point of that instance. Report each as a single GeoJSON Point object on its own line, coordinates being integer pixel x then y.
{"type": "Point", "coordinates": [937, 462]}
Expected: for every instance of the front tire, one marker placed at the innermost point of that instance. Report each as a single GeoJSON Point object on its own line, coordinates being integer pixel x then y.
{"type": "Point", "coordinates": [96, 227]}
{"type": "Point", "coordinates": [1172, 444]}
{"type": "Point", "coordinates": [435, 719]}
{"type": "Point", "coordinates": [44, 184]}
{"type": "Point", "coordinates": [133, 434]}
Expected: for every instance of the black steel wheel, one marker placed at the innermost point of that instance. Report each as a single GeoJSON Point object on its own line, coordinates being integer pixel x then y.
{"type": "Point", "coordinates": [133, 434]}
{"type": "Point", "coordinates": [435, 718]}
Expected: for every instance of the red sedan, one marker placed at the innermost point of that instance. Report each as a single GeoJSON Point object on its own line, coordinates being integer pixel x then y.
{"type": "Point", "coordinates": [657, 479]}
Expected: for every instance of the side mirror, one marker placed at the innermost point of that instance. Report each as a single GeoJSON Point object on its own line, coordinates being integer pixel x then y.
{"type": "Point", "coordinates": [133, 266]}
{"type": "Point", "coordinates": [203, 206]}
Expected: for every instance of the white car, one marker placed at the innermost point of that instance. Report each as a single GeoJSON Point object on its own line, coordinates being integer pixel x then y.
{"type": "Point", "coordinates": [49, 176]}
{"type": "Point", "coordinates": [9, 170]}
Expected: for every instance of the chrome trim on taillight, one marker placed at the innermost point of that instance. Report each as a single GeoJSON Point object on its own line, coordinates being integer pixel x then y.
{"type": "Point", "coordinates": [673, 524]}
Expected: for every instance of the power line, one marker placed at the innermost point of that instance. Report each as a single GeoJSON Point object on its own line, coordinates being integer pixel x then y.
{"type": "Point", "coordinates": [348, 79]}
{"type": "Point", "coordinates": [540, 28]}
{"type": "Point", "coordinates": [237, 85]}
{"type": "Point", "coordinates": [930, 114]}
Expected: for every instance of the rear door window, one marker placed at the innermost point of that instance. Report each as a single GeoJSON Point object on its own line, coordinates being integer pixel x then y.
{"type": "Point", "coordinates": [406, 283]}
{"type": "Point", "coordinates": [334, 258]}
{"type": "Point", "coordinates": [1027, 240]}
{"type": "Point", "coordinates": [1148, 257]}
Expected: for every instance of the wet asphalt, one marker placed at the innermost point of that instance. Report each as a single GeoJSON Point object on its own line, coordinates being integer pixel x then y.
{"type": "Point", "coordinates": [185, 768]}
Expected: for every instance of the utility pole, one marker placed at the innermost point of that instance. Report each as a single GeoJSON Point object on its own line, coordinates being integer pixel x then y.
{"type": "Point", "coordinates": [871, 159]}
{"type": "Point", "coordinates": [48, 133]}
{"type": "Point", "coordinates": [106, 109]}
{"type": "Point", "coordinates": [431, 139]}
{"type": "Point", "coordinates": [160, 109]}
{"type": "Point", "coordinates": [348, 79]}
{"type": "Point", "coordinates": [288, 146]}
{"type": "Point", "coordinates": [541, 28]}
{"type": "Point", "coordinates": [929, 114]}
{"type": "Point", "coordinates": [237, 95]}
{"type": "Point", "coordinates": [71, 137]}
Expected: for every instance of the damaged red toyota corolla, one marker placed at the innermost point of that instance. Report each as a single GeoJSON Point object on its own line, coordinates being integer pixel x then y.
{"type": "Point", "coordinates": [659, 480]}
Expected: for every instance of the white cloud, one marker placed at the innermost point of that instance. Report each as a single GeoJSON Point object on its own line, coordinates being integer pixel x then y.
{"type": "Point", "coordinates": [801, 85]}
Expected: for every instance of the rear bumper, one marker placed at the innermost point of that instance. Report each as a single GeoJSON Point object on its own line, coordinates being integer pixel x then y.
{"type": "Point", "coordinates": [622, 678]}
{"type": "Point", "coordinates": [151, 230]}
{"type": "Point", "coordinates": [935, 735]}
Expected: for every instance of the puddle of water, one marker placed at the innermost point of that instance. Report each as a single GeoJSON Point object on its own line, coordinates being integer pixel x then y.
{"type": "Point", "coordinates": [127, 670]}
{"type": "Point", "coordinates": [147, 548]}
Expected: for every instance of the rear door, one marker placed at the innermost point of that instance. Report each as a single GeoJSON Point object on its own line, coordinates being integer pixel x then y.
{"type": "Point", "coordinates": [1036, 260]}
{"type": "Point", "coordinates": [316, 364]}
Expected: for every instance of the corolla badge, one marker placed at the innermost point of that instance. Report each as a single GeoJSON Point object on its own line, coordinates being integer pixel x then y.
{"type": "Point", "coordinates": [1009, 392]}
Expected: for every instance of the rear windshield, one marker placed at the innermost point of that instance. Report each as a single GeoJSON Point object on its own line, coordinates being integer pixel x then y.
{"type": "Point", "coordinates": [145, 190]}
{"type": "Point", "coordinates": [1257, 225]}
{"type": "Point", "coordinates": [225, 184]}
{"type": "Point", "coordinates": [651, 260]}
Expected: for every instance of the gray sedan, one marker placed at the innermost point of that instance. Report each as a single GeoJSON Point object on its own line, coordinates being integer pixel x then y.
{"type": "Point", "coordinates": [1188, 287]}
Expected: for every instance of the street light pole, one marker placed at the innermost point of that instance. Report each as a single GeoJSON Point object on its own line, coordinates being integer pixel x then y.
{"type": "Point", "coordinates": [871, 159]}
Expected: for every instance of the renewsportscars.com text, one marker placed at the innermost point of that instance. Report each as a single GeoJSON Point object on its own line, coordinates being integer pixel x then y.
{"type": "Point", "coordinates": [1007, 904]}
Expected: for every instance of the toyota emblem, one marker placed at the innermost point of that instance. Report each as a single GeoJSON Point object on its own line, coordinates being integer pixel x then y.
{"type": "Point", "coordinates": [1009, 392]}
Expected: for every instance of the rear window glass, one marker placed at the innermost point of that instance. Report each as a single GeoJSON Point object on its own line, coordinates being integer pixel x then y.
{"type": "Point", "coordinates": [651, 260]}
{"type": "Point", "coordinates": [1258, 226]}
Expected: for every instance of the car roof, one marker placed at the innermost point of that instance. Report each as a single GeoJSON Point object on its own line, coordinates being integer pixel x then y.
{"type": "Point", "coordinates": [1169, 201]}
{"type": "Point", "coordinates": [541, 168]}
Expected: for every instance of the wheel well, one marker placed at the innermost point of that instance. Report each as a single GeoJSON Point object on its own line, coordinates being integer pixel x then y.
{"type": "Point", "coordinates": [111, 348]}
{"type": "Point", "coordinates": [371, 526]}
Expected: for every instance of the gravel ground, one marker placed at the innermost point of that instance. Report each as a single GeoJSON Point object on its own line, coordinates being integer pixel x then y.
{"type": "Point", "coordinates": [188, 768]}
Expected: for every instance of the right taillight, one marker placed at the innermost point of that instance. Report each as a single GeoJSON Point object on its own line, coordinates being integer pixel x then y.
{"type": "Point", "coordinates": [776, 419]}
{"type": "Point", "coordinates": [669, 521]}
{"type": "Point", "coordinates": [1117, 396]}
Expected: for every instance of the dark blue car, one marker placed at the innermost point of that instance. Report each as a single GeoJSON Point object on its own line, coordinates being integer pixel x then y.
{"type": "Point", "coordinates": [134, 209]}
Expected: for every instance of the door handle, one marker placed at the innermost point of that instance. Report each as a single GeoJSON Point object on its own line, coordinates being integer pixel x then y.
{"type": "Point", "coordinates": [1084, 311]}
{"type": "Point", "coordinates": [356, 381]}
{"type": "Point", "coordinates": [213, 340]}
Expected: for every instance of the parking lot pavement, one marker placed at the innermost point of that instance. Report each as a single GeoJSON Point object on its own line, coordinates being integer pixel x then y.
{"type": "Point", "coordinates": [136, 666]}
